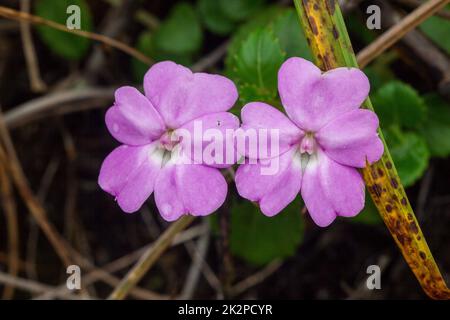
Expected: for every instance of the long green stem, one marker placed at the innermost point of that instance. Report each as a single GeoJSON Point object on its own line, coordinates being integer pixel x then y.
{"type": "Point", "coordinates": [327, 36]}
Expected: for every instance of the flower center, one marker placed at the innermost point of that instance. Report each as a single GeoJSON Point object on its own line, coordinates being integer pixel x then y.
{"type": "Point", "coordinates": [169, 140]}
{"type": "Point", "coordinates": [167, 144]}
{"type": "Point", "coordinates": [308, 144]}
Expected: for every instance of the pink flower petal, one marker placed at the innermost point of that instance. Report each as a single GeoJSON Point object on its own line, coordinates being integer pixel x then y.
{"type": "Point", "coordinates": [210, 139]}
{"type": "Point", "coordinates": [319, 206]}
{"type": "Point", "coordinates": [312, 100]}
{"type": "Point", "coordinates": [342, 185]}
{"type": "Point", "coordinates": [189, 189]}
{"type": "Point", "coordinates": [203, 189]}
{"type": "Point", "coordinates": [133, 120]}
{"type": "Point", "coordinates": [167, 194]}
{"type": "Point", "coordinates": [273, 191]}
{"type": "Point", "coordinates": [330, 189]}
{"type": "Point", "coordinates": [256, 116]}
{"type": "Point", "coordinates": [352, 138]}
{"type": "Point", "coordinates": [180, 95]}
{"type": "Point", "coordinates": [129, 174]}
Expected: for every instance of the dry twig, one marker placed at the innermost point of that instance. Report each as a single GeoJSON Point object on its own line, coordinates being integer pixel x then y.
{"type": "Point", "coordinates": [387, 39]}
{"type": "Point", "coordinates": [416, 3]}
{"type": "Point", "coordinates": [22, 16]}
{"type": "Point", "coordinates": [256, 278]}
{"type": "Point", "coordinates": [9, 208]}
{"type": "Point", "coordinates": [11, 162]}
{"type": "Point", "coordinates": [37, 85]}
{"type": "Point", "coordinates": [32, 286]}
{"type": "Point", "coordinates": [149, 258]}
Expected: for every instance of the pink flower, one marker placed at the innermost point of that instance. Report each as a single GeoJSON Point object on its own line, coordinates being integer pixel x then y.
{"type": "Point", "coordinates": [148, 126]}
{"type": "Point", "coordinates": [324, 138]}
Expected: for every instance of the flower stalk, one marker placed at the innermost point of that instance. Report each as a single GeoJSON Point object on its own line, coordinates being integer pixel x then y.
{"type": "Point", "coordinates": [328, 39]}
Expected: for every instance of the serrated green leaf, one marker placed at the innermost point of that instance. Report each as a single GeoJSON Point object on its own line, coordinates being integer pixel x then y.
{"type": "Point", "coordinates": [213, 17]}
{"type": "Point", "coordinates": [64, 44]}
{"type": "Point", "coordinates": [180, 33]}
{"type": "Point", "coordinates": [369, 215]}
{"type": "Point", "coordinates": [280, 28]}
{"type": "Point", "coordinates": [436, 129]}
{"type": "Point", "coordinates": [238, 10]}
{"type": "Point", "coordinates": [410, 154]}
{"type": "Point", "coordinates": [255, 66]}
{"type": "Point", "coordinates": [438, 30]}
{"type": "Point", "coordinates": [397, 103]}
{"type": "Point", "coordinates": [259, 21]}
{"type": "Point", "coordinates": [286, 29]}
{"type": "Point", "coordinates": [260, 239]}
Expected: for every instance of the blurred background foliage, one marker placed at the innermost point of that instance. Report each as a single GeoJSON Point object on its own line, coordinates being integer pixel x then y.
{"type": "Point", "coordinates": [410, 98]}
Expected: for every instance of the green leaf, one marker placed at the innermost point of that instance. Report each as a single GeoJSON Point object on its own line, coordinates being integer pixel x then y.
{"type": "Point", "coordinates": [64, 44]}
{"type": "Point", "coordinates": [436, 129]}
{"type": "Point", "coordinates": [278, 31]}
{"type": "Point", "coordinates": [410, 154]}
{"type": "Point", "coordinates": [397, 103]}
{"type": "Point", "coordinates": [438, 30]}
{"type": "Point", "coordinates": [369, 215]}
{"type": "Point", "coordinates": [238, 10]}
{"type": "Point", "coordinates": [287, 30]}
{"type": "Point", "coordinates": [255, 66]}
{"type": "Point", "coordinates": [213, 17]}
{"type": "Point", "coordinates": [180, 33]}
{"type": "Point", "coordinates": [259, 21]}
{"type": "Point", "coordinates": [260, 239]}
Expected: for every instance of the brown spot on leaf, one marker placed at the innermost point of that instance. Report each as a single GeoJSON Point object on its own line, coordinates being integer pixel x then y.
{"type": "Point", "coordinates": [373, 172]}
{"type": "Point", "coordinates": [380, 172]}
{"type": "Point", "coordinates": [331, 6]}
{"type": "Point", "coordinates": [335, 32]}
{"type": "Point", "coordinates": [388, 165]}
{"type": "Point", "coordinates": [404, 201]}
{"type": "Point", "coordinates": [327, 61]}
{"type": "Point", "coordinates": [422, 255]}
{"type": "Point", "coordinates": [313, 25]}
{"type": "Point", "coordinates": [401, 239]}
{"type": "Point", "coordinates": [388, 208]}
{"type": "Point", "coordinates": [413, 227]}
{"type": "Point", "coordinates": [376, 189]}
{"type": "Point", "coordinates": [394, 183]}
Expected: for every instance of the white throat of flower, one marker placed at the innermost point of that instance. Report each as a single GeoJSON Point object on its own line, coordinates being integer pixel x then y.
{"type": "Point", "coordinates": [308, 150]}
{"type": "Point", "coordinates": [166, 148]}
